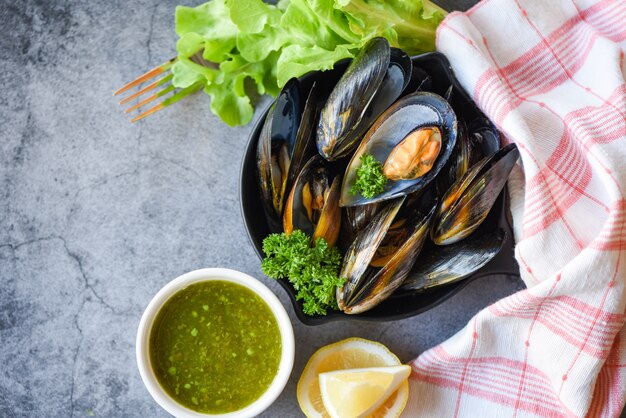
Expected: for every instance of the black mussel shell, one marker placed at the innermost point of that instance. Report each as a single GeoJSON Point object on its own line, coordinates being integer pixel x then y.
{"type": "Point", "coordinates": [279, 131]}
{"type": "Point", "coordinates": [286, 136]}
{"type": "Point", "coordinates": [304, 147]}
{"type": "Point", "coordinates": [408, 114]}
{"type": "Point", "coordinates": [437, 265]}
{"type": "Point", "coordinates": [316, 174]}
{"type": "Point", "coordinates": [420, 81]}
{"type": "Point", "coordinates": [468, 201]}
{"type": "Point", "coordinates": [374, 79]}
{"type": "Point", "coordinates": [484, 135]}
{"type": "Point", "coordinates": [366, 285]}
{"type": "Point", "coordinates": [357, 217]}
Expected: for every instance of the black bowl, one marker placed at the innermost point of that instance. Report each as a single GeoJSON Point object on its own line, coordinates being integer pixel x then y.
{"type": "Point", "coordinates": [399, 306]}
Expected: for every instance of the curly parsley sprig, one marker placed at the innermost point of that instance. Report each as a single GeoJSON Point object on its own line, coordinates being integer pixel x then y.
{"type": "Point", "coordinates": [313, 271]}
{"type": "Point", "coordinates": [370, 180]}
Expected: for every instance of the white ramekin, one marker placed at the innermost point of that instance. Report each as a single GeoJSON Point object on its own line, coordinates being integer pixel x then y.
{"type": "Point", "coordinates": [145, 325]}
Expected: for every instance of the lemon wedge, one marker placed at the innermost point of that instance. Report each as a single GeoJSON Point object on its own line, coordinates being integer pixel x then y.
{"type": "Point", "coordinates": [352, 353]}
{"type": "Point", "coordinates": [357, 393]}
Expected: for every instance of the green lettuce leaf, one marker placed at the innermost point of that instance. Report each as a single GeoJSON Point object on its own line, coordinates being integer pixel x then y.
{"type": "Point", "coordinates": [412, 24]}
{"type": "Point", "coordinates": [307, 27]}
{"type": "Point", "coordinates": [251, 16]}
{"type": "Point", "coordinates": [210, 20]}
{"type": "Point", "coordinates": [256, 47]}
{"type": "Point", "coordinates": [335, 19]}
{"type": "Point", "coordinates": [229, 98]}
{"type": "Point", "coordinates": [187, 72]}
{"type": "Point", "coordinates": [261, 46]}
{"type": "Point", "coordinates": [297, 60]}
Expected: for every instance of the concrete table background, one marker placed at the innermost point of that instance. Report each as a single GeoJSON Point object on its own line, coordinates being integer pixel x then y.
{"type": "Point", "coordinates": [97, 214]}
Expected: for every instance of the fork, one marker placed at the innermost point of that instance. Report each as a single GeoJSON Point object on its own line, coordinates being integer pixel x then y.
{"type": "Point", "coordinates": [165, 70]}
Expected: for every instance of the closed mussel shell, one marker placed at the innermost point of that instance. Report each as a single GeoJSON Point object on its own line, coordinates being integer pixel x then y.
{"type": "Point", "coordinates": [484, 135]}
{"type": "Point", "coordinates": [440, 265]}
{"type": "Point", "coordinates": [358, 256]}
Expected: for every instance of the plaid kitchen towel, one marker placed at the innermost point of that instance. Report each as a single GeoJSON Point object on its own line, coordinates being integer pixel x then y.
{"type": "Point", "coordinates": [550, 74]}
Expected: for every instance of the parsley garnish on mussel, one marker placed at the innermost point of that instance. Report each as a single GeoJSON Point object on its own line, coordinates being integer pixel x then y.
{"type": "Point", "coordinates": [370, 180]}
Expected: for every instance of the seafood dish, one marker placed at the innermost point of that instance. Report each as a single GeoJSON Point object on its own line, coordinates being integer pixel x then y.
{"type": "Point", "coordinates": [393, 165]}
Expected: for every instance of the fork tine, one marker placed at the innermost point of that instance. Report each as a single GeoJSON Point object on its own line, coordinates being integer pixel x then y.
{"type": "Point", "coordinates": [147, 88]}
{"type": "Point", "coordinates": [150, 98]}
{"type": "Point", "coordinates": [170, 100]}
{"type": "Point", "coordinates": [147, 76]}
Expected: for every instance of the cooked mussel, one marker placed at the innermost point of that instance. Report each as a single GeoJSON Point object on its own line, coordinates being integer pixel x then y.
{"type": "Point", "coordinates": [355, 219]}
{"type": "Point", "coordinates": [415, 155]}
{"type": "Point", "coordinates": [413, 140]}
{"type": "Point", "coordinates": [484, 135]}
{"type": "Point", "coordinates": [284, 144]}
{"type": "Point", "coordinates": [439, 265]}
{"type": "Point", "coordinates": [468, 201]}
{"type": "Point", "coordinates": [464, 155]}
{"type": "Point", "coordinates": [383, 253]}
{"type": "Point", "coordinates": [374, 79]}
{"type": "Point", "coordinates": [473, 143]}
{"type": "Point", "coordinates": [313, 203]}
{"type": "Point", "coordinates": [408, 130]}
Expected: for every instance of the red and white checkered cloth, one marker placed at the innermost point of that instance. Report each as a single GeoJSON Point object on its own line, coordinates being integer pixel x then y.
{"type": "Point", "coordinates": [550, 74]}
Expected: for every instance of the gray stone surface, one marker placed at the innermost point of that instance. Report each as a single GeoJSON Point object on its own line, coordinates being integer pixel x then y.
{"type": "Point", "coordinates": [97, 214]}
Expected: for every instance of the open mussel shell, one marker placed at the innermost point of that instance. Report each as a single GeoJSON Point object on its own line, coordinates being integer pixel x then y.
{"type": "Point", "coordinates": [407, 116]}
{"type": "Point", "coordinates": [313, 204]}
{"type": "Point", "coordinates": [473, 143]}
{"type": "Point", "coordinates": [305, 140]}
{"type": "Point", "coordinates": [438, 265]}
{"type": "Point", "coordinates": [468, 201]}
{"type": "Point", "coordinates": [358, 256]}
{"type": "Point", "coordinates": [370, 281]}
{"type": "Point", "coordinates": [284, 144]}
{"type": "Point", "coordinates": [374, 79]}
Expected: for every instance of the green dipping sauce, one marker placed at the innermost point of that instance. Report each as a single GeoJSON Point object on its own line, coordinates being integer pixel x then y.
{"type": "Point", "coordinates": [215, 347]}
